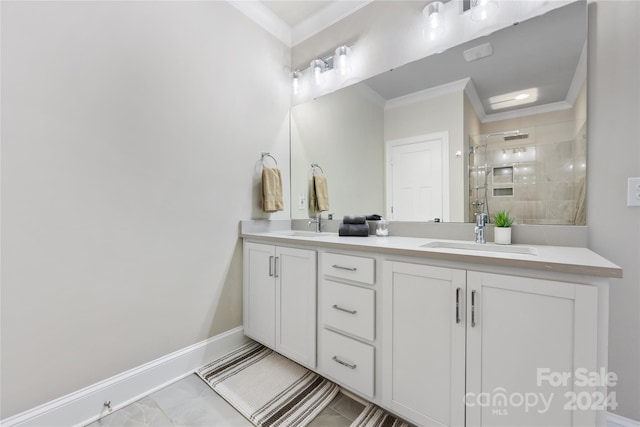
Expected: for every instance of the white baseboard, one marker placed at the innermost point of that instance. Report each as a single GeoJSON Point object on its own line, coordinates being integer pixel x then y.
{"type": "Point", "coordinates": [614, 420]}
{"type": "Point", "coordinates": [87, 405]}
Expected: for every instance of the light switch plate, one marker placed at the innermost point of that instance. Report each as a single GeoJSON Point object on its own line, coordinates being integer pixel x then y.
{"type": "Point", "coordinates": [633, 192]}
{"type": "Point", "coordinates": [302, 202]}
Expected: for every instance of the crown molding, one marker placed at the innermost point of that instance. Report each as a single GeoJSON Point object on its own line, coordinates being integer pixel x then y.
{"type": "Point", "coordinates": [265, 18]}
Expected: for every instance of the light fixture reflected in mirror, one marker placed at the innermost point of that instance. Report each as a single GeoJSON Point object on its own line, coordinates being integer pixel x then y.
{"type": "Point", "coordinates": [295, 82]}
{"type": "Point", "coordinates": [318, 67]}
{"type": "Point", "coordinates": [433, 16]}
{"type": "Point", "coordinates": [482, 9]}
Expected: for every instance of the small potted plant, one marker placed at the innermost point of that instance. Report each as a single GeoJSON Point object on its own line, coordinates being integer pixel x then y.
{"type": "Point", "coordinates": [502, 230]}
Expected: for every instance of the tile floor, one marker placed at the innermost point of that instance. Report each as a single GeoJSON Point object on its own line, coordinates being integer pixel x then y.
{"type": "Point", "coordinates": [190, 402]}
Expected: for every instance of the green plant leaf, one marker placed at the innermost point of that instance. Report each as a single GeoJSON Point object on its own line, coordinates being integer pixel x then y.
{"type": "Point", "coordinates": [502, 219]}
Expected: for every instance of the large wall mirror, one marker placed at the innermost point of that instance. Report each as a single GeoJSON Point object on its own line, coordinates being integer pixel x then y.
{"type": "Point", "coordinates": [495, 123]}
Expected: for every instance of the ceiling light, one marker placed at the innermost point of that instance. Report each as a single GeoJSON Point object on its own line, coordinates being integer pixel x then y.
{"type": "Point", "coordinates": [433, 15]}
{"type": "Point", "coordinates": [513, 99]}
{"type": "Point", "coordinates": [481, 9]}
{"type": "Point", "coordinates": [342, 60]}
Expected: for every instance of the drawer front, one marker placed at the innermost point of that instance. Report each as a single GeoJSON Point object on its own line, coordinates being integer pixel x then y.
{"type": "Point", "coordinates": [349, 267]}
{"type": "Point", "coordinates": [348, 361]}
{"type": "Point", "coordinates": [349, 308]}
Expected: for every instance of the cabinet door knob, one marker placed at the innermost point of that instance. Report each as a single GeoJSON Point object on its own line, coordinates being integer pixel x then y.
{"type": "Point", "coordinates": [337, 307]}
{"type": "Point", "coordinates": [343, 363]}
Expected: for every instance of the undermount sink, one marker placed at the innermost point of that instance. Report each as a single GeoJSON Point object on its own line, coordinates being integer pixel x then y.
{"type": "Point", "coordinates": [298, 233]}
{"type": "Point", "coordinates": [478, 247]}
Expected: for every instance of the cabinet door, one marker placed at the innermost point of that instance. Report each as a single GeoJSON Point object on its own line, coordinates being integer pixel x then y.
{"type": "Point", "coordinates": [520, 330]}
{"type": "Point", "coordinates": [296, 305]}
{"type": "Point", "coordinates": [424, 343]}
{"type": "Point", "coordinates": [259, 292]}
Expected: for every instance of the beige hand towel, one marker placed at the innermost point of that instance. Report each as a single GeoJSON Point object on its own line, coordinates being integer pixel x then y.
{"type": "Point", "coordinates": [320, 194]}
{"type": "Point", "coordinates": [271, 190]}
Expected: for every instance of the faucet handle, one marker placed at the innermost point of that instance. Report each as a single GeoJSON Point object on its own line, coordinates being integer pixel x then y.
{"type": "Point", "coordinates": [481, 219]}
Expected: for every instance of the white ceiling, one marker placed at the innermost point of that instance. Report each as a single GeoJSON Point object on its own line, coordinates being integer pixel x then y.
{"type": "Point", "coordinates": [294, 12]}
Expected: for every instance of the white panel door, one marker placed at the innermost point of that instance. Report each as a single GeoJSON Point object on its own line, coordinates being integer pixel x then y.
{"type": "Point", "coordinates": [515, 327]}
{"type": "Point", "coordinates": [296, 304]}
{"type": "Point", "coordinates": [424, 350]}
{"type": "Point", "coordinates": [259, 293]}
{"type": "Point", "coordinates": [416, 179]}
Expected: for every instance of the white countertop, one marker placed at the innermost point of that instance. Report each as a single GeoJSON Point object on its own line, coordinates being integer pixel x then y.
{"type": "Point", "coordinates": [560, 259]}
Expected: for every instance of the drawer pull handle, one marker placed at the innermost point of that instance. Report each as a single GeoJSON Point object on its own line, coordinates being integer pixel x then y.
{"type": "Point", "coordinates": [343, 267]}
{"type": "Point", "coordinates": [343, 363]}
{"type": "Point", "coordinates": [346, 310]}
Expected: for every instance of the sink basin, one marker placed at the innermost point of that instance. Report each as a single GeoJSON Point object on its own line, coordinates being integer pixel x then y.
{"type": "Point", "coordinates": [298, 233]}
{"type": "Point", "coordinates": [477, 247]}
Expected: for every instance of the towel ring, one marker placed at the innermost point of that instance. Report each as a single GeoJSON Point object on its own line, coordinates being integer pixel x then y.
{"type": "Point", "coordinates": [314, 166]}
{"type": "Point", "coordinates": [268, 155]}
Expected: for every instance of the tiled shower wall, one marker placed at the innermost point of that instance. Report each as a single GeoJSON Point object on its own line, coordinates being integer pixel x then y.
{"type": "Point", "coordinates": [539, 179]}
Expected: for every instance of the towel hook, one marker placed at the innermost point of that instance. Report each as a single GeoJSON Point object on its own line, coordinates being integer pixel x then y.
{"type": "Point", "coordinates": [315, 165]}
{"type": "Point", "coordinates": [265, 154]}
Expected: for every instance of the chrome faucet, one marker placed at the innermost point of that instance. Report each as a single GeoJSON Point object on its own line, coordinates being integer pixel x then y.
{"type": "Point", "coordinates": [317, 222]}
{"type": "Point", "coordinates": [481, 222]}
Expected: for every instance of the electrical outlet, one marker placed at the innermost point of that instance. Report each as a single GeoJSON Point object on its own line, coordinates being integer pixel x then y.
{"type": "Point", "coordinates": [633, 192]}
{"type": "Point", "coordinates": [302, 202]}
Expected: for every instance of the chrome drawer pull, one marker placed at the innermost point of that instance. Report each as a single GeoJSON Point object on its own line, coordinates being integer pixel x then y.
{"type": "Point", "coordinates": [337, 307]}
{"type": "Point", "coordinates": [344, 268]}
{"type": "Point", "coordinates": [348, 365]}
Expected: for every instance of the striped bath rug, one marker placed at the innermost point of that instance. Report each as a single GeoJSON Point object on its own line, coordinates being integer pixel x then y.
{"type": "Point", "coordinates": [373, 416]}
{"type": "Point", "coordinates": [267, 388]}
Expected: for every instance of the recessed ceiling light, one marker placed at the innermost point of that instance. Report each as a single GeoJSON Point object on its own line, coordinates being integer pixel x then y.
{"type": "Point", "coordinates": [513, 99]}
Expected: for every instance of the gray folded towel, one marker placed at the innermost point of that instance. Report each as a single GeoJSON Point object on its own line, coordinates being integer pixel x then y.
{"type": "Point", "coordinates": [353, 230]}
{"type": "Point", "coordinates": [360, 219]}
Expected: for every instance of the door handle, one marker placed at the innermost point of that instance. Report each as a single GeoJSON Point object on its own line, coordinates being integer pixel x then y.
{"type": "Point", "coordinates": [271, 266]}
{"type": "Point", "coordinates": [340, 267]}
{"type": "Point", "coordinates": [458, 305]}
{"type": "Point", "coordinates": [473, 309]}
{"type": "Point", "coordinates": [343, 363]}
{"type": "Point", "coordinates": [275, 267]}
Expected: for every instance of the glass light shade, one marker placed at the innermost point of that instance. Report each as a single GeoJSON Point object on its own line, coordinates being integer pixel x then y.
{"type": "Point", "coordinates": [295, 82]}
{"type": "Point", "coordinates": [318, 67]}
{"type": "Point", "coordinates": [433, 15]}
{"type": "Point", "coordinates": [481, 9]}
{"type": "Point", "coordinates": [342, 60]}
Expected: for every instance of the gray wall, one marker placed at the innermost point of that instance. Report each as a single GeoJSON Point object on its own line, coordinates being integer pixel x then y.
{"type": "Point", "coordinates": [613, 155]}
{"type": "Point", "coordinates": [130, 135]}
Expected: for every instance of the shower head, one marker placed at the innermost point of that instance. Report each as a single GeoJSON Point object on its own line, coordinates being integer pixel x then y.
{"type": "Point", "coordinates": [509, 135]}
{"type": "Point", "coordinates": [516, 135]}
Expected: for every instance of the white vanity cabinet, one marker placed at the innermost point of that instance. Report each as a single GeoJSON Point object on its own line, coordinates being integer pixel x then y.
{"type": "Point", "coordinates": [424, 343]}
{"type": "Point", "coordinates": [464, 344]}
{"type": "Point", "coordinates": [520, 332]}
{"type": "Point", "coordinates": [348, 312]}
{"type": "Point", "coordinates": [279, 301]}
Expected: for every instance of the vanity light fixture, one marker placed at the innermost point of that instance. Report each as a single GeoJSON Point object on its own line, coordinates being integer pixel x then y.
{"type": "Point", "coordinates": [481, 9]}
{"type": "Point", "coordinates": [433, 15]}
{"type": "Point", "coordinates": [339, 61]}
{"type": "Point", "coordinates": [295, 82]}
{"type": "Point", "coordinates": [318, 67]}
{"type": "Point", "coordinates": [342, 60]}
